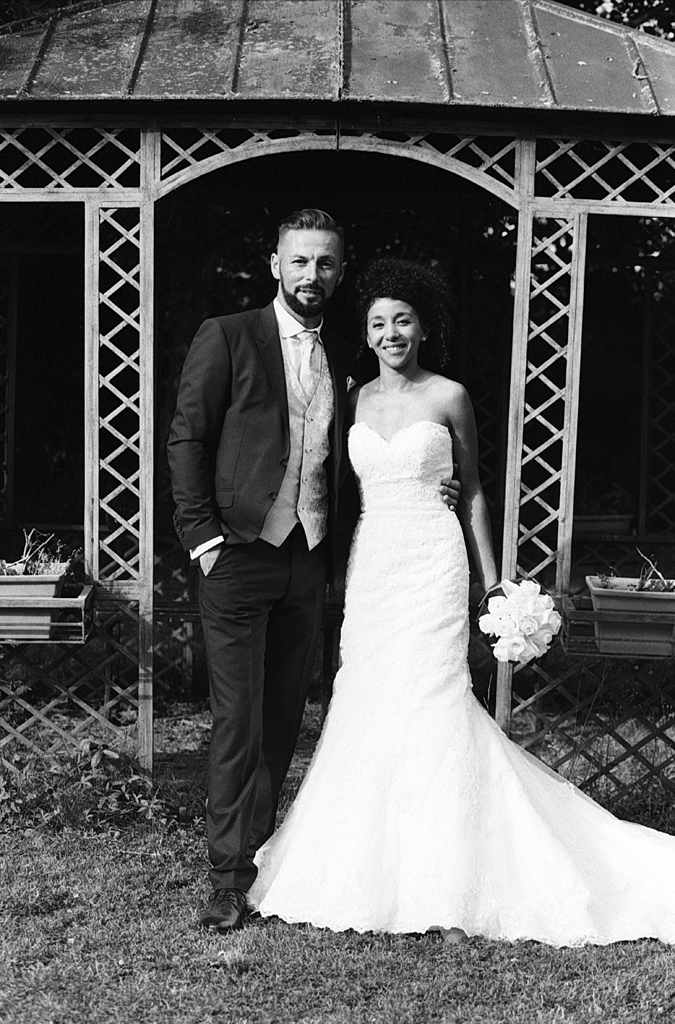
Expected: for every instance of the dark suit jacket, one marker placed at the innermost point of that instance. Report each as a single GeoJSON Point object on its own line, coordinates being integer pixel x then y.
{"type": "Point", "coordinates": [229, 441]}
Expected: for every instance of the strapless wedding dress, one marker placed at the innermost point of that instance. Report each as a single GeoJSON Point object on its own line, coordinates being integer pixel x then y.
{"type": "Point", "coordinates": [417, 812]}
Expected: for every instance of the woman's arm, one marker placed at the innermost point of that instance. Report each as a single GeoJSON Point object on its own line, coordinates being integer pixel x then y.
{"type": "Point", "coordinates": [471, 508]}
{"type": "Point", "coordinates": [350, 412]}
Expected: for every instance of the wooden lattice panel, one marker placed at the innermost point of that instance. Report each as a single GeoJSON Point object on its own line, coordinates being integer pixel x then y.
{"type": "Point", "coordinates": [119, 393]}
{"type": "Point", "coordinates": [609, 172]}
{"type": "Point", "coordinates": [545, 393]}
{"type": "Point", "coordinates": [53, 696]}
{"type": "Point", "coordinates": [491, 156]}
{"type": "Point", "coordinates": [181, 148]}
{"type": "Point", "coordinates": [171, 571]}
{"type": "Point", "coordinates": [69, 158]}
{"type": "Point", "coordinates": [661, 396]}
{"type": "Point", "coordinates": [607, 724]}
{"type": "Point", "coordinates": [177, 646]}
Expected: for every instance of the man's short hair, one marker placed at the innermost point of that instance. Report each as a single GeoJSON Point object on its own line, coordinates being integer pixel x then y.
{"type": "Point", "coordinates": [311, 220]}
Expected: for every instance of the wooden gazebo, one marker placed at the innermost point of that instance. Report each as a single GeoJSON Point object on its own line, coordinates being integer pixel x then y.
{"type": "Point", "coordinates": [116, 105]}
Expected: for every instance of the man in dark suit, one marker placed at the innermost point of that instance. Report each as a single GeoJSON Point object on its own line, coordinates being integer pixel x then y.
{"type": "Point", "coordinates": [256, 457]}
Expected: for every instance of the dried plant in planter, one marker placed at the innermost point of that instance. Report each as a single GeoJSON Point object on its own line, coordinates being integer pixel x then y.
{"type": "Point", "coordinates": [650, 579]}
{"type": "Point", "coordinates": [38, 559]}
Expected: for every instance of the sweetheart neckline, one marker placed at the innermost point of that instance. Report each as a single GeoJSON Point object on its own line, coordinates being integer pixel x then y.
{"type": "Point", "coordinates": [401, 430]}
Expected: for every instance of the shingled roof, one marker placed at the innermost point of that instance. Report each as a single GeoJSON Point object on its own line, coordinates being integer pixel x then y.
{"type": "Point", "coordinates": [522, 54]}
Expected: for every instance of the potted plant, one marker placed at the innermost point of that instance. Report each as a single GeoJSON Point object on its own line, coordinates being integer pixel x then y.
{"type": "Point", "coordinates": [603, 509]}
{"type": "Point", "coordinates": [634, 615]}
{"type": "Point", "coordinates": [38, 575]}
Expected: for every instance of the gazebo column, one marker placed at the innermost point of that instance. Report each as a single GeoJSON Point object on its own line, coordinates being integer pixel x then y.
{"type": "Point", "coordinates": [543, 411]}
{"type": "Point", "coordinates": [119, 455]}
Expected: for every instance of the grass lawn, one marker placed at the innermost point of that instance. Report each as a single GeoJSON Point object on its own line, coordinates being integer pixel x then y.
{"type": "Point", "coordinates": [99, 925]}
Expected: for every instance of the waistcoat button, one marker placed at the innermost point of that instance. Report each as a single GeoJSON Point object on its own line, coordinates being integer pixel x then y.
{"type": "Point", "coordinates": [273, 495]}
{"type": "Point", "coordinates": [284, 462]}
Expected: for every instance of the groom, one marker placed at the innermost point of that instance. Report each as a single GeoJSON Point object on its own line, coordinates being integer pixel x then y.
{"type": "Point", "coordinates": [256, 457]}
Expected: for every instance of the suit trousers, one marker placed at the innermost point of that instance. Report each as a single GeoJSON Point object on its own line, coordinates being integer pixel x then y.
{"type": "Point", "coordinates": [261, 610]}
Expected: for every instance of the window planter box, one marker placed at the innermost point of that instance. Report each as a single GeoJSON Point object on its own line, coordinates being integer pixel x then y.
{"type": "Point", "coordinates": [632, 622]}
{"type": "Point", "coordinates": [32, 608]}
{"type": "Point", "coordinates": [615, 524]}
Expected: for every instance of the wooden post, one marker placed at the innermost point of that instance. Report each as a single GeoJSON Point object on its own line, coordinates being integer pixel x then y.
{"type": "Point", "coordinates": [91, 443]}
{"type": "Point", "coordinates": [150, 142]}
{"type": "Point", "coordinates": [515, 439]}
{"type": "Point", "coordinates": [572, 383]}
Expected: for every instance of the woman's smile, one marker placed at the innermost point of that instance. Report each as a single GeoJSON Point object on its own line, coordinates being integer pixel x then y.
{"type": "Point", "coordinates": [394, 330]}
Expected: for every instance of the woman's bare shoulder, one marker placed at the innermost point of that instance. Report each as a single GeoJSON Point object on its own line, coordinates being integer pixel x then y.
{"type": "Point", "coordinates": [448, 390]}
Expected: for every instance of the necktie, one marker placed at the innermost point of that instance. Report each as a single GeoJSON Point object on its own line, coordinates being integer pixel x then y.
{"type": "Point", "coordinates": [310, 362]}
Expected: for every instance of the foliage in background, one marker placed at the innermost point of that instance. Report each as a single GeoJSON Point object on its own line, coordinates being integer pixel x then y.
{"type": "Point", "coordinates": [94, 787]}
{"type": "Point", "coordinates": [656, 17]}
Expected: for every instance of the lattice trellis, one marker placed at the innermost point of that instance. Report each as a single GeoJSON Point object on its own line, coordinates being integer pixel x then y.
{"type": "Point", "coordinates": [494, 156]}
{"type": "Point", "coordinates": [119, 393]}
{"type": "Point", "coordinates": [661, 412]}
{"type": "Point", "coordinates": [52, 696]}
{"type": "Point", "coordinates": [608, 725]}
{"type": "Point", "coordinates": [69, 158]}
{"type": "Point", "coordinates": [612, 172]}
{"type": "Point", "coordinates": [546, 381]}
{"type": "Point", "coordinates": [182, 148]}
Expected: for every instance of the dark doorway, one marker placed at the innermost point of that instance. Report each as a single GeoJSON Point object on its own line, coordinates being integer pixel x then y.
{"type": "Point", "coordinates": [42, 335]}
{"type": "Point", "coordinates": [215, 235]}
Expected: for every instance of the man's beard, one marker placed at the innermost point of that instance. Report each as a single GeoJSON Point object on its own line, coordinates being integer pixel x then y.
{"type": "Point", "coordinates": [305, 309]}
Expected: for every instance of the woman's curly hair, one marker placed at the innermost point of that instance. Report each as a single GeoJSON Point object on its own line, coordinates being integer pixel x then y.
{"type": "Point", "coordinates": [422, 288]}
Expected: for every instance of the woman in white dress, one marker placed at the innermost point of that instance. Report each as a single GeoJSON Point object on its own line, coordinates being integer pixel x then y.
{"type": "Point", "coordinates": [417, 813]}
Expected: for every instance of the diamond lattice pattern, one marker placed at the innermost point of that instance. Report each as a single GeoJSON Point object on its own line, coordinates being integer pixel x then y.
{"type": "Point", "coordinates": [52, 696]}
{"type": "Point", "coordinates": [612, 172]}
{"type": "Point", "coordinates": [69, 158]}
{"type": "Point", "coordinates": [119, 393]}
{"type": "Point", "coordinates": [545, 383]}
{"type": "Point", "coordinates": [182, 147]}
{"type": "Point", "coordinates": [606, 724]}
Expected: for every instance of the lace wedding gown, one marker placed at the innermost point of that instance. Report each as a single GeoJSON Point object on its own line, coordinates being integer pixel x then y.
{"type": "Point", "coordinates": [417, 812]}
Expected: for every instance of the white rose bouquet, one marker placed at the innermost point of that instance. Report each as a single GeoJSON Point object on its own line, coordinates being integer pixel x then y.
{"type": "Point", "coordinates": [522, 618]}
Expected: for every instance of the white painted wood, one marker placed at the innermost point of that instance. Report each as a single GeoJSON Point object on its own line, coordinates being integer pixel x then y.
{"type": "Point", "coordinates": [147, 458]}
{"type": "Point", "coordinates": [569, 440]}
{"type": "Point", "coordinates": [91, 455]}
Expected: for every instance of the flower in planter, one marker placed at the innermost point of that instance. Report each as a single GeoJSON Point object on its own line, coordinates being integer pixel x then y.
{"type": "Point", "coordinates": [522, 618]}
{"type": "Point", "coordinates": [38, 559]}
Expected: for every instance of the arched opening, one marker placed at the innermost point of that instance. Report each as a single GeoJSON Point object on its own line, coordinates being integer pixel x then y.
{"type": "Point", "coordinates": [213, 240]}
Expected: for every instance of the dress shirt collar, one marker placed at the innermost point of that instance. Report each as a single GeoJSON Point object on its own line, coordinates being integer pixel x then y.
{"type": "Point", "coordinates": [288, 325]}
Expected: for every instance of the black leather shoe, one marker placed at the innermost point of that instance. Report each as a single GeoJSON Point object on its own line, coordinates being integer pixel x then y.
{"type": "Point", "coordinates": [225, 911]}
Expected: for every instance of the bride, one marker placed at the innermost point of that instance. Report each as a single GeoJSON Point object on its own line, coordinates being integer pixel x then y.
{"type": "Point", "coordinates": [417, 813]}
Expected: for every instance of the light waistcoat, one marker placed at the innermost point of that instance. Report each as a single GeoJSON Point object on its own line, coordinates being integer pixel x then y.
{"type": "Point", "coordinates": [303, 496]}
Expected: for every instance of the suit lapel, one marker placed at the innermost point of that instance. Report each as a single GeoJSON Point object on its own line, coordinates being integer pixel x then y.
{"type": "Point", "coordinates": [269, 346]}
